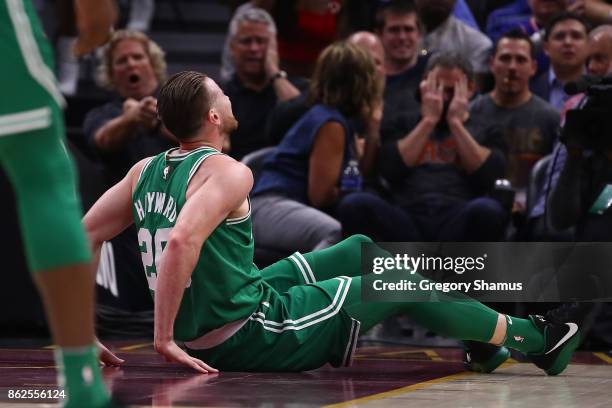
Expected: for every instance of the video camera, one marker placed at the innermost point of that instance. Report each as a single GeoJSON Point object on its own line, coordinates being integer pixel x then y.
{"type": "Point", "coordinates": [589, 126]}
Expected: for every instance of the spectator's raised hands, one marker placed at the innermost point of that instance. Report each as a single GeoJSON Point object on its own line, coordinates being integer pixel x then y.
{"type": "Point", "coordinates": [143, 112]}
{"type": "Point", "coordinates": [271, 63]}
{"type": "Point", "coordinates": [458, 108]}
{"type": "Point", "coordinates": [432, 102]}
{"type": "Point", "coordinates": [148, 112]}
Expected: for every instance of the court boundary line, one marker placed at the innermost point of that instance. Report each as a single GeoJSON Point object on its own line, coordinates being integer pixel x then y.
{"type": "Point", "coordinates": [401, 390]}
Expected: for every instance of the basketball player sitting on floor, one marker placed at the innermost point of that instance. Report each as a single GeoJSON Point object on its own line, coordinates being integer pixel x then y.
{"type": "Point", "coordinates": [191, 205]}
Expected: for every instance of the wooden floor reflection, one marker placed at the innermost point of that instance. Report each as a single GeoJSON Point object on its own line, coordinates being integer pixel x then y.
{"type": "Point", "coordinates": [380, 376]}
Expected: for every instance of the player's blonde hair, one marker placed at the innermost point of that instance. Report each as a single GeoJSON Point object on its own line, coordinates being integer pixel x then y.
{"type": "Point", "coordinates": [154, 52]}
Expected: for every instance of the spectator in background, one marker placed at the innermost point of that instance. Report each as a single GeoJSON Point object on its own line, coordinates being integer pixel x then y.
{"type": "Point", "coordinates": [400, 31]}
{"type": "Point", "coordinates": [463, 13]}
{"type": "Point", "coordinates": [600, 63]}
{"type": "Point", "coordinates": [302, 179]}
{"type": "Point", "coordinates": [600, 50]}
{"type": "Point", "coordinates": [306, 27]}
{"type": "Point", "coordinates": [257, 84]}
{"type": "Point", "coordinates": [599, 11]}
{"type": "Point", "coordinates": [531, 16]}
{"type": "Point", "coordinates": [439, 164]}
{"type": "Point", "coordinates": [124, 131]}
{"type": "Point", "coordinates": [371, 44]}
{"type": "Point", "coordinates": [482, 9]}
{"type": "Point", "coordinates": [286, 114]}
{"type": "Point", "coordinates": [529, 124]}
{"type": "Point", "coordinates": [565, 43]}
{"type": "Point", "coordinates": [445, 33]}
{"type": "Point", "coordinates": [227, 64]}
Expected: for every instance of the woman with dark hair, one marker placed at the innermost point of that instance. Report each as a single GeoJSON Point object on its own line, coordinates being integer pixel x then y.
{"type": "Point", "coordinates": [302, 178]}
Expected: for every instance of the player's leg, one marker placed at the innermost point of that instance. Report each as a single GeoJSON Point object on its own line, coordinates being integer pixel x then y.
{"type": "Point", "coordinates": [550, 344]}
{"type": "Point", "coordinates": [37, 164]}
{"type": "Point", "coordinates": [311, 267]}
{"type": "Point", "coordinates": [57, 252]}
{"type": "Point", "coordinates": [41, 173]}
{"type": "Point", "coordinates": [342, 259]}
{"type": "Point", "coordinates": [452, 314]}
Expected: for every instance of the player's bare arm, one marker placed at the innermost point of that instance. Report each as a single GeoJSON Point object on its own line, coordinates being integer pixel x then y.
{"type": "Point", "coordinates": [219, 189]}
{"type": "Point", "coordinates": [112, 213]}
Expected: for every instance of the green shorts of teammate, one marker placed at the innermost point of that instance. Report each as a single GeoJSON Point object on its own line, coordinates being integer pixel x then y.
{"type": "Point", "coordinates": [304, 319]}
{"type": "Point", "coordinates": [32, 151]}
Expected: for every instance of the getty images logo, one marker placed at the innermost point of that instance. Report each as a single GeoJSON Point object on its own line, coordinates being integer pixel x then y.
{"type": "Point", "coordinates": [457, 264]}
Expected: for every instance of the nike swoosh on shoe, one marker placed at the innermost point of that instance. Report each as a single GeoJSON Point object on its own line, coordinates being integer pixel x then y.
{"type": "Point", "coordinates": [573, 328]}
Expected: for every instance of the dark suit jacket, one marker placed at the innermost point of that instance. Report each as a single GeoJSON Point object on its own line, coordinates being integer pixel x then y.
{"type": "Point", "coordinates": [540, 86]}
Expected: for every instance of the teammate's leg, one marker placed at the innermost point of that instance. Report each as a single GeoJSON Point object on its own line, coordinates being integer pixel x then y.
{"type": "Point", "coordinates": [57, 252]}
{"type": "Point", "coordinates": [41, 173]}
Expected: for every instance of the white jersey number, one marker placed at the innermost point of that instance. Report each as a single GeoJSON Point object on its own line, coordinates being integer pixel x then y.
{"type": "Point", "coordinates": [151, 255]}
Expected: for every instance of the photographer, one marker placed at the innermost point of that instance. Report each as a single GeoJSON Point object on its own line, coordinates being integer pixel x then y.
{"type": "Point", "coordinates": [581, 197]}
{"type": "Point", "coordinates": [583, 181]}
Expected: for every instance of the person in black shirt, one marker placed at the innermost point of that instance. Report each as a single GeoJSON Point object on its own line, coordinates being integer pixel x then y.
{"type": "Point", "coordinates": [257, 84]}
{"type": "Point", "coordinates": [126, 130]}
{"type": "Point", "coordinates": [439, 165]}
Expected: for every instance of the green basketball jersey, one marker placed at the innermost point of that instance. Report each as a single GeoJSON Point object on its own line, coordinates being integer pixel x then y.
{"type": "Point", "coordinates": [225, 285]}
{"type": "Point", "coordinates": [32, 100]}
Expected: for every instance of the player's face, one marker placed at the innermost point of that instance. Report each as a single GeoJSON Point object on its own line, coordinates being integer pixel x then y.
{"type": "Point", "coordinates": [512, 65]}
{"type": "Point", "coordinates": [400, 37]}
{"type": "Point", "coordinates": [600, 55]}
{"type": "Point", "coordinates": [131, 71]}
{"type": "Point", "coordinates": [567, 44]}
{"type": "Point", "coordinates": [249, 48]}
{"type": "Point", "coordinates": [223, 105]}
{"type": "Point", "coordinates": [228, 120]}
